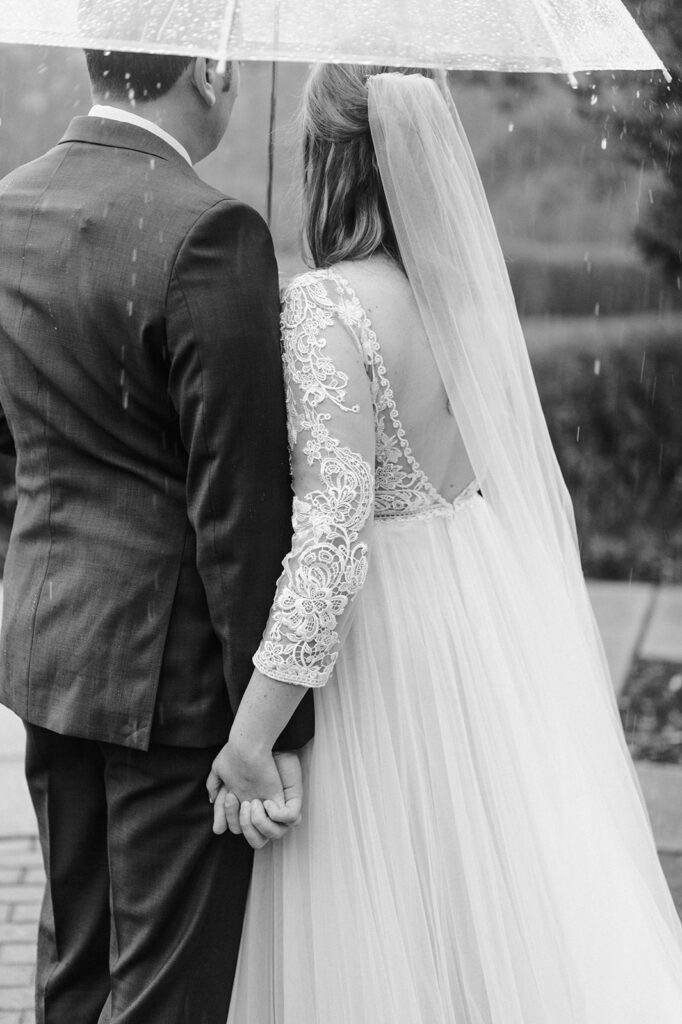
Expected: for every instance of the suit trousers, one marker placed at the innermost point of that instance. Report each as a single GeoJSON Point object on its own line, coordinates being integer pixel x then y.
{"type": "Point", "coordinates": [143, 908]}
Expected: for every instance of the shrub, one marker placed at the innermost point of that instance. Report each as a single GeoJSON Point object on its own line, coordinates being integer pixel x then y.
{"type": "Point", "coordinates": [616, 427]}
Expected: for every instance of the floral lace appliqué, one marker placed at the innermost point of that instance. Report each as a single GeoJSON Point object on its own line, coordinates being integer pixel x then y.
{"type": "Point", "coordinates": [327, 564]}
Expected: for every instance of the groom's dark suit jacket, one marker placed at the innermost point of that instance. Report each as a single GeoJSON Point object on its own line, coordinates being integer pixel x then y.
{"type": "Point", "coordinates": [140, 385]}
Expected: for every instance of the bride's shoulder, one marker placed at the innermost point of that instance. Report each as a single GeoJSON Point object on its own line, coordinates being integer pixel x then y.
{"type": "Point", "coordinates": [309, 299]}
{"type": "Point", "coordinates": [364, 293]}
{"type": "Point", "coordinates": [306, 291]}
{"type": "Point", "coordinates": [368, 279]}
{"type": "Point", "coordinates": [382, 298]}
{"type": "Point", "coordinates": [308, 280]}
{"type": "Point", "coordinates": [380, 288]}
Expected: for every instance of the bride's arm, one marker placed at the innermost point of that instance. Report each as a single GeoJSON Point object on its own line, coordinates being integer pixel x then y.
{"type": "Point", "coordinates": [331, 438]}
{"type": "Point", "coordinates": [331, 428]}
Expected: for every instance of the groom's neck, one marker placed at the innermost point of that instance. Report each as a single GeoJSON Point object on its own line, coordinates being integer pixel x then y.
{"type": "Point", "coordinates": [172, 116]}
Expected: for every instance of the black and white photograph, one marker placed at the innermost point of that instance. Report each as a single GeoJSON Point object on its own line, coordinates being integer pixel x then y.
{"type": "Point", "coordinates": [340, 512]}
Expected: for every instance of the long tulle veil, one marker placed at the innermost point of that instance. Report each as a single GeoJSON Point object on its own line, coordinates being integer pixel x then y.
{"type": "Point", "coordinates": [455, 265]}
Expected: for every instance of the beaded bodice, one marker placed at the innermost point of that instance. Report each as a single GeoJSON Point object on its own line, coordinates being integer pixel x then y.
{"type": "Point", "coordinates": [352, 467]}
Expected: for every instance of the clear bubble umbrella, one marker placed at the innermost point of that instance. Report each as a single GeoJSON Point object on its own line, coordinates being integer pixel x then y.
{"type": "Point", "coordinates": [561, 36]}
{"type": "Point", "coordinates": [499, 35]}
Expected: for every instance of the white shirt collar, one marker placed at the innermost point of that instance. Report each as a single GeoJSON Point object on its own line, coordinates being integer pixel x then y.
{"type": "Point", "coordinates": [127, 116]}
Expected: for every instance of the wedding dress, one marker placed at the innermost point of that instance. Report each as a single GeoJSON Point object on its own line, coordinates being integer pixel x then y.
{"type": "Point", "coordinates": [474, 847]}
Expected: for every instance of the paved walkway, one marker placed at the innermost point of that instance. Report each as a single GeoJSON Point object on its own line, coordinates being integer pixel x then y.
{"type": "Point", "coordinates": [21, 884]}
{"type": "Point", "coordinates": [636, 620]}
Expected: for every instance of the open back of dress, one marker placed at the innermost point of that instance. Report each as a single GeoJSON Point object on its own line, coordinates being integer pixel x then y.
{"type": "Point", "coordinates": [421, 463]}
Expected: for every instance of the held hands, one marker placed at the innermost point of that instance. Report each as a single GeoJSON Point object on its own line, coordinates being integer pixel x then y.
{"type": "Point", "coordinates": [252, 790]}
{"type": "Point", "coordinates": [255, 792]}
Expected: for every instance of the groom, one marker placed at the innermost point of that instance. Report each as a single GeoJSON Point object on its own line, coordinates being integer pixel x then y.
{"type": "Point", "coordinates": [140, 386]}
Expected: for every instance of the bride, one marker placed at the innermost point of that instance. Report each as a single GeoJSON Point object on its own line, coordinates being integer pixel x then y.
{"type": "Point", "coordinates": [474, 847]}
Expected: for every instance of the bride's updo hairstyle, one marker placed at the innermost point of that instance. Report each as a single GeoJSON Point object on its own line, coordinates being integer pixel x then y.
{"type": "Point", "coordinates": [345, 215]}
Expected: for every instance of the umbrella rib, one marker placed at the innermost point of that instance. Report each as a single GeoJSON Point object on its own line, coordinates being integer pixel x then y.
{"type": "Point", "coordinates": [225, 33]}
{"type": "Point", "coordinates": [162, 29]}
{"type": "Point", "coordinates": [569, 70]}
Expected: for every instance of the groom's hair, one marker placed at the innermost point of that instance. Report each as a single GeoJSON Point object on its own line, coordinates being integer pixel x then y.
{"type": "Point", "coordinates": [117, 75]}
{"type": "Point", "coordinates": [140, 76]}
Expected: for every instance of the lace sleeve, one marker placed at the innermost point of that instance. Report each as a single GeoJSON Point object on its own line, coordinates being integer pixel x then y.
{"type": "Point", "coordinates": [331, 437]}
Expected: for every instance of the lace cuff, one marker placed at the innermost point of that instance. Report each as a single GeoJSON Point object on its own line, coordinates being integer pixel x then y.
{"type": "Point", "coordinates": [269, 659]}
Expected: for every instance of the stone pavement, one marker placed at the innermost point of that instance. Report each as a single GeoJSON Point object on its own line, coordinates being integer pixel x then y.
{"type": "Point", "coordinates": [636, 621]}
{"type": "Point", "coordinates": [21, 886]}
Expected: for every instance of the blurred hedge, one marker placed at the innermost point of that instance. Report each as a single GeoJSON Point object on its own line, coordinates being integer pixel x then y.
{"type": "Point", "coordinates": [616, 425]}
{"type": "Point", "coordinates": [578, 281]}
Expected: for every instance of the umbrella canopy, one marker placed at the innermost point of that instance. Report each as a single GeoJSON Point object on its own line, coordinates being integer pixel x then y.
{"type": "Point", "coordinates": [499, 35]}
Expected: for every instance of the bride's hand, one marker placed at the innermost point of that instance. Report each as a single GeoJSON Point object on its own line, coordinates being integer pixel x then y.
{"type": "Point", "coordinates": [259, 795]}
{"type": "Point", "coordinates": [246, 769]}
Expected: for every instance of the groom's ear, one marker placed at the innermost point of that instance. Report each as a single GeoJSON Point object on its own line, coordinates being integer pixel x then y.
{"type": "Point", "coordinates": [205, 80]}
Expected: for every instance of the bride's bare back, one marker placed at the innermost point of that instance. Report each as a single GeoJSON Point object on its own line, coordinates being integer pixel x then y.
{"type": "Point", "coordinates": [386, 296]}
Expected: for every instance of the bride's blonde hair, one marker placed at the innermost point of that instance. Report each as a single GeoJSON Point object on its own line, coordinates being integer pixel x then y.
{"type": "Point", "coordinates": [345, 215]}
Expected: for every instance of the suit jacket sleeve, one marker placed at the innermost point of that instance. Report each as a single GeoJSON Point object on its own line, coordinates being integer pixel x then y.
{"type": "Point", "coordinates": [226, 383]}
{"type": "Point", "coordinates": [6, 439]}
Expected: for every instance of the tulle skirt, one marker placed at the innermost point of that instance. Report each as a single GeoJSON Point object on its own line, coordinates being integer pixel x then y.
{"type": "Point", "coordinates": [475, 848]}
